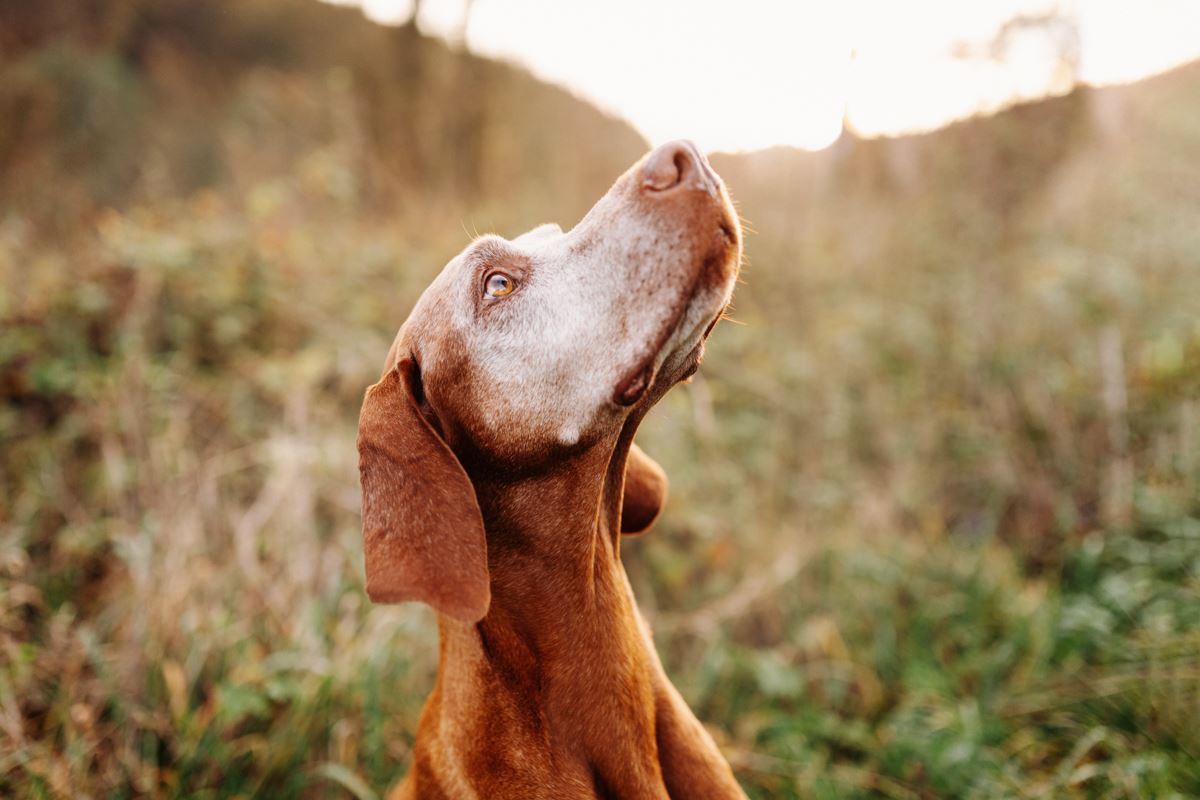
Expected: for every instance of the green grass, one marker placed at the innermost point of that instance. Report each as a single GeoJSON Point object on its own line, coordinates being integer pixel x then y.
{"type": "Point", "coordinates": [183, 611]}
{"type": "Point", "coordinates": [935, 518]}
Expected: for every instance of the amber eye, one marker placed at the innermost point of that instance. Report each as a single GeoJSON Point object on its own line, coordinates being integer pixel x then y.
{"type": "Point", "coordinates": [498, 284]}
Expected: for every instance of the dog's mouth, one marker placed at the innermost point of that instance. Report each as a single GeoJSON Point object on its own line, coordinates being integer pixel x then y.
{"type": "Point", "coordinates": [637, 381]}
{"type": "Point", "coordinates": [716, 268]}
{"type": "Point", "coordinates": [633, 386]}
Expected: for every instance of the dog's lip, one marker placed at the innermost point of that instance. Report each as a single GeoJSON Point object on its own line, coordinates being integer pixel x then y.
{"type": "Point", "coordinates": [635, 383]}
{"type": "Point", "coordinates": [630, 390]}
{"type": "Point", "coordinates": [632, 387]}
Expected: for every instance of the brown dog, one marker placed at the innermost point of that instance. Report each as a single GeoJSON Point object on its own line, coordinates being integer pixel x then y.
{"type": "Point", "coordinates": [499, 471]}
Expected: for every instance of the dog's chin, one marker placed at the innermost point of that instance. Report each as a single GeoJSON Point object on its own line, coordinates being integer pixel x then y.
{"type": "Point", "coordinates": [691, 363]}
{"type": "Point", "coordinates": [681, 366]}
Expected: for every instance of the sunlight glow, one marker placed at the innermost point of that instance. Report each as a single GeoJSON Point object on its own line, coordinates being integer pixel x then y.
{"type": "Point", "coordinates": [727, 79]}
{"type": "Point", "coordinates": [757, 73]}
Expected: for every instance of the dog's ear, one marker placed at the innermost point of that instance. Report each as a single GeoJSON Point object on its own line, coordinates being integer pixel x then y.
{"type": "Point", "coordinates": [645, 492]}
{"type": "Point", "coordinates": [422, 531]}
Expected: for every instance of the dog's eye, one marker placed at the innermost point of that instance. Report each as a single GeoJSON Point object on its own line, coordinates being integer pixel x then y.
{"type": "Point", "coordinates": [498, 284]}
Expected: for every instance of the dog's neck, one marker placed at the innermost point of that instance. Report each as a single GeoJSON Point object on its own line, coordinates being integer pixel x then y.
{"type": "Point", "coordinates": [558, 569]}
{"type": "Point", "coordinates": [562, 632]}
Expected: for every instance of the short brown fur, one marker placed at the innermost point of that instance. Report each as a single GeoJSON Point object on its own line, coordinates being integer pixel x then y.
{"type": "Point", "coordinates": [548, 683]}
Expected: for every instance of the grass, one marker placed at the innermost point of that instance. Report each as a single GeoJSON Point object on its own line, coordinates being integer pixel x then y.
{"type": "Point", "coordinates": [935, 517]}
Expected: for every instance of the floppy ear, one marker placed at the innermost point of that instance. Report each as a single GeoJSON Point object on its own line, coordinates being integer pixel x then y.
{"type": "Point", "coordinates": [645, 492]}
{"type": "Point", "coordinates": [422, 531]}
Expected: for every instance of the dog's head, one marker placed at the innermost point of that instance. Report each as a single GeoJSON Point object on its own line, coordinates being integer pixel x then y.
{"type": "Point", "coordinates": [522, 352]}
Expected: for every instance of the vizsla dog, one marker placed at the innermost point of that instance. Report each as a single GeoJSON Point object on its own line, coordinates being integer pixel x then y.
{"type": "Point", "coordinates": [499, 471]}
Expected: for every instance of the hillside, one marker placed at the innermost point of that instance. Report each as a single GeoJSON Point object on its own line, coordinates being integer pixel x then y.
{"type": "Point", "coordinates": [935, 517]}
{"type": "Point", "coordinates": [1063, 228]}
{"type": "Point", "coordinates": [134, 102]}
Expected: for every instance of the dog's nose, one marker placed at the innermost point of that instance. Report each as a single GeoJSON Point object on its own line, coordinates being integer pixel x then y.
{"type": "Point", "coordinates": [674, 164]}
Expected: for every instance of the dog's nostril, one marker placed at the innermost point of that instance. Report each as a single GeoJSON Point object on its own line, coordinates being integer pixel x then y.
{"type": "Point", "coordinates": [682, 164]}
{"type": "Point", "coordinates": [668, 166]}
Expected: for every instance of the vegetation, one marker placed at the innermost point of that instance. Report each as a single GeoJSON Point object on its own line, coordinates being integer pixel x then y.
{"type": "Point", "coordinates": [935, 522]}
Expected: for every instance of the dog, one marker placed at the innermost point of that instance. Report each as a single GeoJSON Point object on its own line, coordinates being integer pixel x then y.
{"type": "Point", "coordinates": [499, 471]}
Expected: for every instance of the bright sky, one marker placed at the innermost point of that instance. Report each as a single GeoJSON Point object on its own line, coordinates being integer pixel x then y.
{"type": "Point", "coordinates": [746, 74]}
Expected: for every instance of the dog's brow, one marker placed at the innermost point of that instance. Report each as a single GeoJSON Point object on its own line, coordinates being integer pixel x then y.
{"type": "Point", "coordinates": [487, 248]}
{"type": "Point", "coordinates": [497, 253]}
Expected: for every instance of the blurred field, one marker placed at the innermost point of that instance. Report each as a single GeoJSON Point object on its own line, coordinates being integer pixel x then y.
{"type": "Point", "coordinates": [935, 522]}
